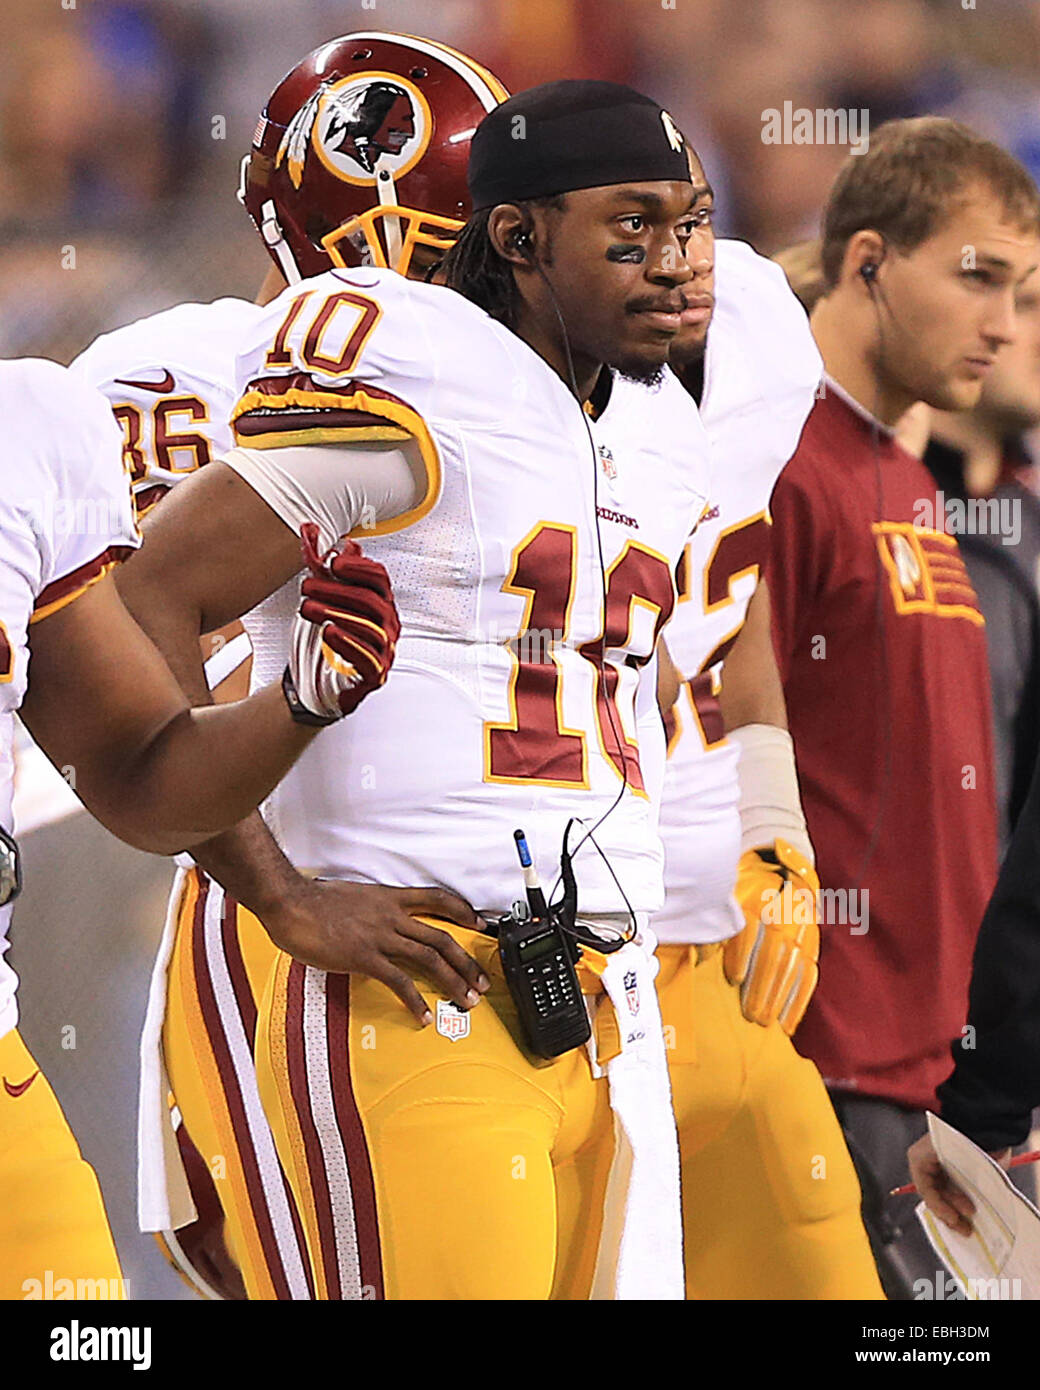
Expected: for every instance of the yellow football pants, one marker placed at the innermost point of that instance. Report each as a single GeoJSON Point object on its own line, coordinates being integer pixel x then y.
{"type": "Point", "coordinates": [427, 1166]}
{"type": "Point", "coordinates": [770, 1197]}
{"type": "Point", "coordinates": [54, 1235]}
{"type": "Point", "coordinates": [771, 1204]}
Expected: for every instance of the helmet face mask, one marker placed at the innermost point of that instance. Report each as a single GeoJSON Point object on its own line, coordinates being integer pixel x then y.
{"type": "Point", "coordinates": [387, 236]}
{"type": "Point", "coordinates": [360, 155]}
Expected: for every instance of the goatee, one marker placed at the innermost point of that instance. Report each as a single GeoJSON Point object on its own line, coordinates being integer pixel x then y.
{"type": "Point", "coordinates": [642, 373]}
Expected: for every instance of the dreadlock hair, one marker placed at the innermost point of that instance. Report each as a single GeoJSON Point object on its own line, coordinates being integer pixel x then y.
{"type": "Point", "coordinates": [475, 269]}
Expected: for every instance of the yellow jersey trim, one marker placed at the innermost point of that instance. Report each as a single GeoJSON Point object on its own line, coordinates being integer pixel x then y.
{"type": "Point", "coordinates": [404, 423]}
{"type": "Point", "coordinates": [45, 612]}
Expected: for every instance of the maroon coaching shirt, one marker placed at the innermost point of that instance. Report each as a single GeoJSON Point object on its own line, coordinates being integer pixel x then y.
{"type": "Point", "coordinates": [908, 674]}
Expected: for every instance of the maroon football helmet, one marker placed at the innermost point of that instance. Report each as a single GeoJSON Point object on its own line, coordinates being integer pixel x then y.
{"type": "Point", "coordinates": [361, 153]}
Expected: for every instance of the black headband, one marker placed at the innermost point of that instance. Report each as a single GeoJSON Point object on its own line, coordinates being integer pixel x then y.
{"type": "Point", "coordinates": [569, 135]}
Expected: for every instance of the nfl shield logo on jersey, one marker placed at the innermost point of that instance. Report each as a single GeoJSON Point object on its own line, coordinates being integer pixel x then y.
{"type": "Point", "coordinates": [632, 991]}
{"type": "Point", "coordinates": [452, 1022]}
{"type": "Point", "coordinates": [606, 458]}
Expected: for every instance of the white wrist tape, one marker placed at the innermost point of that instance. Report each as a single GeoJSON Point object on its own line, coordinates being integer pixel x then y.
{"type": "Point", "coordinates": [770, 802]}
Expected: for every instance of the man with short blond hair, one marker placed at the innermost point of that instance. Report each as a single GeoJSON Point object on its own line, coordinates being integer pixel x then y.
{"type": "Point", "coordinates": [927, 239]}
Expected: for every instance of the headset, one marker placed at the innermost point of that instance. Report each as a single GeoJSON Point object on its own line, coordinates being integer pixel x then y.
{"type": "Point", "coordinates": [868, 272]}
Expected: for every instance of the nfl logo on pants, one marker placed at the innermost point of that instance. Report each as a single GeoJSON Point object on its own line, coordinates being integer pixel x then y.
{"type": "Point", "coordinates": [452, 1022]}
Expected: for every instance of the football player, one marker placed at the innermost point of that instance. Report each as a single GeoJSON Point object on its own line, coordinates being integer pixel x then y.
{"type": "Point", "coordinates": [452, 434]}
{"type": "Point", "coordinates": [104, 707]}
{"type": "Point", "coordinates": [770, 1196]}
{"type": "Point", "coordinates": [169, 376]}
{"type": "Point", "coordinates": [170, 379]}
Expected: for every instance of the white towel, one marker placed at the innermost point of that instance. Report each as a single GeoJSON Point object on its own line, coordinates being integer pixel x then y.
{"type": "Point", "coordinates": [164, 1200]}
{"type": "Point", "coordinates": [640, 1253]}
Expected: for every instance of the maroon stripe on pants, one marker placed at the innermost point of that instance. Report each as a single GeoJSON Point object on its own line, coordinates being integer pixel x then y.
{"type": "Point", "coordinates": [296, 1059]}
{"type": "Point", "coordinates": [237, 970]}
{"type": "Point", "coordinates": [348, 1121]}
{"type": "Point", "coordinates": [247, 1012]}
{"type": "Point", "coordinates": [233, 1095]}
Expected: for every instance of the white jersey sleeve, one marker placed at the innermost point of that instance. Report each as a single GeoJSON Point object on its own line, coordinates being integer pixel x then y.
{"type": "Point", "coordinates": [66, 518]}
{"type": "Point", "coordinates": [346, 489]}
{"type": "Point", "coordinates": [170, 380]}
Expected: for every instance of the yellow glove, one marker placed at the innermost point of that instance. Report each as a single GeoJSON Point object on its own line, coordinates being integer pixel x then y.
{"type": "Point", "coordinates": [774, 959]}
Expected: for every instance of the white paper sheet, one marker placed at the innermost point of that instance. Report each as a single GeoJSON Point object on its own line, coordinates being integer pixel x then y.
{"type": "Point", "coordinates": [1001, 1259]}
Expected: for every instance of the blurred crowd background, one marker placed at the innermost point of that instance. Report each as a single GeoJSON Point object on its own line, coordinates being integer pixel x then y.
{"type": "Point", "coordinates": [122, 122]}
{"type": "Point", "coordinates": [122, 126]}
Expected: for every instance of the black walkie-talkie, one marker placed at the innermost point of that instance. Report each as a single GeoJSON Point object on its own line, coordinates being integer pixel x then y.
{"type": "Point", "coordinates": [538, 958]}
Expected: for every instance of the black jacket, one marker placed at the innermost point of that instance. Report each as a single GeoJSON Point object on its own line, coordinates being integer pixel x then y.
{"type": "Point", "coordinates": [995, 1083]}
{"type": "Point", "coordinates": [996, 1078]}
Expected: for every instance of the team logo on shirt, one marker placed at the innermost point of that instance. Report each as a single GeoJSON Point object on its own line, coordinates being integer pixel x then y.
{"type": "Point", "coordinates": [452, 1022]}
{"type": "Point", "coordinates": [925, 571]}
{"type": "Point", "coordinates": [907, 567]}
{"type": "Point", "coordinates": [359, 127]}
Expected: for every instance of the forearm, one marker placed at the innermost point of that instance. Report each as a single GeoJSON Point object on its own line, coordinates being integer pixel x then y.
{"type": "Point", "coordinates": [203, 770]}
{"type": "Point", "coordinates": [752, 691]}
{"type": "Point", "coordinates": [247, 862]}
{"type": "Point", "coordinates": [175, 627]}
{"type": "Point", "coordinates": [174, 624]}
{"type": "Point", "coordinates": [669, 679]}
{"type": "Point", "coordinates": [755, 714]}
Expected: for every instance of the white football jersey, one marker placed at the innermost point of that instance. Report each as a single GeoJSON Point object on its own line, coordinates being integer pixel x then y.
{"type": "Point", "coordinates": [762, 370]}
{"type": "Point", "coordinates": [170, 379]}
{"type": "Point", "coordinates": [498, 713]}
{"type": "Point", "coordinates": [65, 518]}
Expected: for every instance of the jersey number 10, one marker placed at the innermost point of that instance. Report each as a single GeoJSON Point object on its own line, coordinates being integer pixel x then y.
{"type": "Point", "coordinates": [535, 746]}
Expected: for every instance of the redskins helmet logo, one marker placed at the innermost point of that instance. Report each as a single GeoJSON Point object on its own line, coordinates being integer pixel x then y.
{"type": "Point", "coordinates": [358, 127]}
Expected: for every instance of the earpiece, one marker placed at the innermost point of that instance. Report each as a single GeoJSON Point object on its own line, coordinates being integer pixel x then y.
{"type": "Point", "coordinates": [869, 271]}
{"type": "Point", "coordinates": [521, 242]}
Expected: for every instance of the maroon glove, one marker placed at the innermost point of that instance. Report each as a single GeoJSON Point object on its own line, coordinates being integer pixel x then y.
{"type": "Point", "coordinates": [344, 638]}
